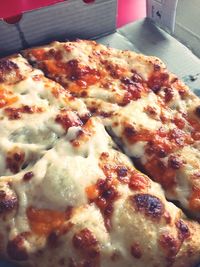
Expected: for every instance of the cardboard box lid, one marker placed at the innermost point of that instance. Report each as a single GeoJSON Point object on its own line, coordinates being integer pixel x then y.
{"type": "Point", "coordinates": [12, 8]}
{"type": "Point", "coordinates": [67, 20]}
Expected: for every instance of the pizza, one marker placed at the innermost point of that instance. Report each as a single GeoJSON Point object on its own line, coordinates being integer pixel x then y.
{"type": "Point", "coordinates": [149, 112]}
{"type": "Point", "coordinates": [69, 195]}
{"type": "Point", "coordinates": [35, 112]}
{"type": "Point", "coordinates": [84, 204]}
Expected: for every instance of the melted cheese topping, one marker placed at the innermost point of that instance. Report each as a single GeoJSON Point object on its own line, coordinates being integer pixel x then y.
{"type": "Point", "coordinates": [149, 110]}
{"type": "Point", "coordinates": [135, 115]}
{"type": "Point", "coordinates": [59, 182]}
{"type": "Point", "coordinates": [72, 190]}
{"type": "Point", "coordinates": [29, 124]}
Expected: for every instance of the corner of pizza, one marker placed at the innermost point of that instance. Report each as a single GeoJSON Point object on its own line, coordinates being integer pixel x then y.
{"type": "Point", "coordinates": [99, 160]}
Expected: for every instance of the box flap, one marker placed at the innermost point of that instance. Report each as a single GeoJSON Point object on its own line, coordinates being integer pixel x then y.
{"type": "Point", "coordinates": [10, 8]}
{"type": "Point", "coordinates": [68, 20]}
{"type": "Point", "coordinates": [187, 28]}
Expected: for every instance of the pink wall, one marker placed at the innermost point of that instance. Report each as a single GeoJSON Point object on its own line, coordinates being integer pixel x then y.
{"type": "Point", "coordinates": [130, 10]}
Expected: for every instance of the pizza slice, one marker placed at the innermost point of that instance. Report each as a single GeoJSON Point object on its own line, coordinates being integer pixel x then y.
{"type": "Point", "coordinates": [148, 110]}
{"type": "Point", "coordinates": [84, 204]}
{"type": "Point", "coordinates": [34, 113]}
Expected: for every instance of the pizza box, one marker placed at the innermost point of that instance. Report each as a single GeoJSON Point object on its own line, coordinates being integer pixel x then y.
{"type": "Point", "coordinates": [96, 19]}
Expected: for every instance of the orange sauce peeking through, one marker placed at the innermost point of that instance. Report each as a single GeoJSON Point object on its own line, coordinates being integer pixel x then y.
{"type": "Point", "coordinates": [44, 221]}
{"type": "Point", "coordinates": [7, 98]}
{"type": "Point", "coordinates": [55, 68]}
{"type": "Point", "coordinates": [138, 181]}
{"type": "Point", "coordinates": [39, 54]}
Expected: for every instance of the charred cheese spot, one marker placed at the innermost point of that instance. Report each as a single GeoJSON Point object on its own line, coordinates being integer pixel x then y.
{"type": "Point", "coordinates": [28, 176]}
{"type": "Point", "coordinates": [8, 201]}
{"type": "Point", "coordinates": [96, 110]}
{"type": "Point", "coordinates": [103, 194]}
{"type": "Point", "coordinates": [85, 117]}
{"type": "Point", "coordinates": [134, 92]}
{"type": "Point", "coordinates": [179, 137]}
{"type": "Point", "coordinates": [54, 236]}
{"type": "Point", "coordinates": [195, 132]}
{"type": "Point", "coordinates": [183, 230]}
{"type": "Point", "coordinates": [12, 113]}
{"type": "Point", "coordinates": [160, 149]}
{"type": "Point", "coordinates": [83, 75]}
{"type": "Point", "coordinates": [132, 135]}
{"type": "Point", "coordinates": [68, 119]}
{"type": "Point", "coordinates": [161, 144]}
{"type": "Point", "coordinates": [14, 159]}
{"type": "Point", "coordinates": [16, 249]}
{"type": "Point", "coordinates": [86, 242]}
{"type": "Point", "coordinates": [170, 139]}
{"type": "Point", "coordinates": [57, 54]}
{"type": "Point", "coordinates": [7, 67]}
{"type": "Point", "coordinates": [170, 245]}
{"type": "Point", "coordinates": [115, 170]}
{"type": "Point", "coordinates": [127, 81]}
{"type": "Point", "coordinates": [179, 122]}
{"type": "Point", "coordinates": [175, 162]}
{"type": "Point", "coordinates": [136, 251]}
{"type": "Point", "coordinates": [15, 113]}
{"type": "Point", "coordinates": [134, 89]}
{"type": "Point", "coordinates": [168, 94]}
{"type": "Point", "coordinates": [129, 131]}
{"type": "Point", "coordinates": [150, 205]}
{"type": "Point", "coordinates": [156, 67]}
{"type": "Point", "coordinates": [157, 80]}
{"type": "Point", "coordinates": [84, 134]}
{"type": "Point", "coordinates": [136, 77]}
{"type": "Point", "coordinates": [114, 70]}
{"type": "Point", "coordinates": [197, 111]}
{"type": "Point", "coordinates": [122, 172]}
{"type": "Point", "coordinates": [151, 111]}
{"type": "Point", "coordinates": [159, 172]}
